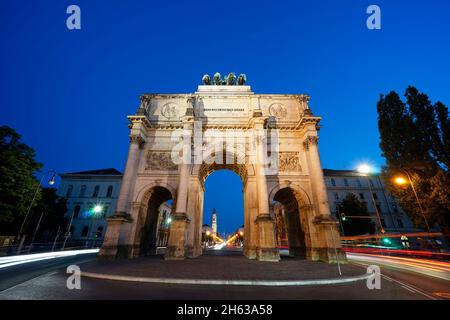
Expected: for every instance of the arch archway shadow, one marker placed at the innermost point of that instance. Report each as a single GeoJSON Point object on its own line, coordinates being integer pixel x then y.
{"type": "Point", "coordinates": [147, 234]}
{"type": "Point", "coordinates": [287, 217]}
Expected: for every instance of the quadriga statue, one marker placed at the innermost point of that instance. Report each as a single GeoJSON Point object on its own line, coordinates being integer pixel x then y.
{"type": "Point", "coordinates": [217, 79]}
{"type": "Point", "coordinates": [206, 80]}
{"type": "Point", "coordinates": [231, 79]}
{"type": "Point", "coordinates": [241, 79]}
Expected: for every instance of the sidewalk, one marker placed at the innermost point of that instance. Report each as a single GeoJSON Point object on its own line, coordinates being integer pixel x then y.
{"type": "Point", "coordinates": [219, 265]}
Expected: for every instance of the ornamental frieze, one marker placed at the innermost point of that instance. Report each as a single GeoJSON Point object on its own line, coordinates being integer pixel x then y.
{"type": "Point", "coordinates": [289, 161]}
{"type": "Point", "coordinates": [159, 160]}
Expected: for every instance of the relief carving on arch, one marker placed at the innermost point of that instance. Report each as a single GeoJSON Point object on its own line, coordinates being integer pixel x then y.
{"type": "Point", "coordinates": [278, 110]}
{"type": "Point", "coordinates": [159, 160]}
{"type": "Point", "coordinates": [289, 161]}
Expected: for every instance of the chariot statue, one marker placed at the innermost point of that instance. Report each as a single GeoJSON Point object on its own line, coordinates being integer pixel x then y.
{"type": "Point", "coordinates": [229, 80]}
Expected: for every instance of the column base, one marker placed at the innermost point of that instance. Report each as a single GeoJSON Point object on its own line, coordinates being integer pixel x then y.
{"type": "Point", "coordinates": [174, 253]}
{"type": "Point", "coordinates": [327, 255]}
{"type": "Point", "coordinates": [250, 252]}
{"type": "Point", "coordinates": [268, 254]}
{"type": "Point", "coordinates": [176, 248]}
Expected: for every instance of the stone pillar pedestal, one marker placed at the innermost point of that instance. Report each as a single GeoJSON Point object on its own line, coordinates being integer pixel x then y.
{"type": "Point", "coordinates": [176, 246]}
{"type": "Point", "coordinates": [110, 248]}
{"type": "Point", "coordinates": [267, 247]}
{"type": "Point", "coordinates": [330, 250]}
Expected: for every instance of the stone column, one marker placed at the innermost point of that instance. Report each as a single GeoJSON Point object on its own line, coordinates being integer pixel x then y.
{"type": "Point", "coordinates": [325, 240]}
{"type": "Point", "coordinates": [176, 247]}
{"type": "Point", "coordinates": [316, 174]}
{"type": "Point", "coordinates": [267, 249]}
{"type": "Point", "coordinates": [111, 243]}
{"type": "Point", "coordinates": [129, 176]}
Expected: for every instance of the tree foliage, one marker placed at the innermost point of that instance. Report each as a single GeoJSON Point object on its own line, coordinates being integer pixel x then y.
{"type": "Point", "coordinates": [351, 206]}
{"type": "Point", "coordinates": [17, 183]}
{"type": "Point", "coordinates": [415, 140]}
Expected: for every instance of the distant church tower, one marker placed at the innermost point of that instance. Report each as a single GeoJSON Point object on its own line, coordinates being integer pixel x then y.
{"type": "Point", "coordinates": [214, 222]}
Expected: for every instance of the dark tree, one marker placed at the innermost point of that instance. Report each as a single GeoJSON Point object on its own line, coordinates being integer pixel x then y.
{"type": "Point", "coordinates": [52, 207]}
{"type": "Point", "coordinates": [351, 207]}
{"type": "Point", "coordinates": [17, 183]}
{"type": "Point", "coordinates": [415, 140]}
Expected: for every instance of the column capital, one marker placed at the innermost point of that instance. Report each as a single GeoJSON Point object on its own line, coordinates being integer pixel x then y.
{"type": "Point", "coordinates": [136, 138]}
{"type": "Point", "coordinates": [309, 141]}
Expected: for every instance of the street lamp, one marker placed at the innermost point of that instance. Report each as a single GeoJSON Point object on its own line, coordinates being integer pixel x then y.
{"type": "Point", "coordinates": [402, 181]}
{"type": "Point", "coordinates": [365, 170]}
{"type": "Point", "coordinates": [50, 182]}
{"type": "Point", "coordinates": [95, 210]}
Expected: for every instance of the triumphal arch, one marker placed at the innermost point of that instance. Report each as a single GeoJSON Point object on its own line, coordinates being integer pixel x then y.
{"type": "Point", "coordinates": [269, 140]}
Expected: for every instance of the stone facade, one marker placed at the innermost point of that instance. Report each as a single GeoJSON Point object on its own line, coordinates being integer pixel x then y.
{"type": "Point", "coordinates": [293, 177]}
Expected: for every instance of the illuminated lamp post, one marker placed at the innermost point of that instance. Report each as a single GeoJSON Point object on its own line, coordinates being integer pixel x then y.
{"type": "Point", "coordinates": [402, 181]}
{"type": "Point", "coordinates": [50, 182]}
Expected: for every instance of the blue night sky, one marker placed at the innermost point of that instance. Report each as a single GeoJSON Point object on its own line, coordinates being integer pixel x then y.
{"type": "Point", "coordinates": [68, 92]}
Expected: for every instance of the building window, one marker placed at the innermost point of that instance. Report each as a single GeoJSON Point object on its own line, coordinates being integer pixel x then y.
{"type": "Point", "coordinates": [85, 231]}
{"type": "Point", "coordinates": [394, 207]}
{"type": "Point", "coordinates": [333, 182]}
{"type": "Point", "coordinates": [336, 196]}
{"type": "Point", "coordinates": [371, 183]}
{"type": "Point", "coordinates": [378, 208]}
{"type": "Point", "coordinates": [375, 196]}
{"type": "Point", "coordinates": [99, 232]}
{"type": "Point", "coordinates": [109, 192]}
{"type": "Point", "coordinates": [76, 211]}
{"type": "Point", "coordinates": [96, 190]}
{"type": "Point", "coordinates": [82, 191]}
{"type": "Point", "coordinates": [105, 211]}
{"type": "Point", "coordinates": [346, 182]}
{"type": "Point", "coordinates": [69, 191]}
{"type": "Point", "coordinates": [358, 182]}
{"type": "Point", "coordinates": [361, 196]}
{"type": "Point", "coordinates": [400, 223]}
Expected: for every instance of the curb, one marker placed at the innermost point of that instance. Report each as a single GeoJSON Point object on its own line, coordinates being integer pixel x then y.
{"type": "Point", "coordinates": [273, 283]}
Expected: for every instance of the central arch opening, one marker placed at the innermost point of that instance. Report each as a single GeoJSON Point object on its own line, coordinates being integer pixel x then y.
{"type": "Point", "coordinates": [223, 208]}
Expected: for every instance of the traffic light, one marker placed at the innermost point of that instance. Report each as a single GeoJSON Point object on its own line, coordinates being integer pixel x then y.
{"type": "Point", "coordinates": [387, 241]}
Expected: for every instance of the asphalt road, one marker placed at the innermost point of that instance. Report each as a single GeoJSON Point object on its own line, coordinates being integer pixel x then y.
{"type": "Point", "coordinates": [15, 275]}
{"type": "Point", "coordinates": [47, 280]}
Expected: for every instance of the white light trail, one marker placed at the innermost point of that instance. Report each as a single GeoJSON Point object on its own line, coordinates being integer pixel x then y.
{"type": "Point", "coordinates": [27, 258]}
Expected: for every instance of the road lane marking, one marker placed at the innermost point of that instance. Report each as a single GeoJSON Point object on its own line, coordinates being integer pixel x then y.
{"type": "Point", "coordinates": [403, 284]}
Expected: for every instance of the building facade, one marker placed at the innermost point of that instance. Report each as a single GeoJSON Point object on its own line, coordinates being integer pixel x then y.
{"type": "Point", "coordinates": [281, 123]}
{"type": "Point", "coordinates": [372, 191]}
{"type": "Point", "coordinates": [91, 198]}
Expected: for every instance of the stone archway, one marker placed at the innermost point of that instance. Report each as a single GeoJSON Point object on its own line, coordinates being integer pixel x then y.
{"type": "Point", "coordinates": [146, 233]}
{"type": "Point", "coordinates": [291, 219]}
{"type": "Point", "coordinates": [150, 168]}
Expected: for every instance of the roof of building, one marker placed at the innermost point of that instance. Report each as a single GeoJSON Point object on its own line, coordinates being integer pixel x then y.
{"type": "Point", "coordinates": [331, 172]}
{"type": "Point", "coordinates": [109, 171]}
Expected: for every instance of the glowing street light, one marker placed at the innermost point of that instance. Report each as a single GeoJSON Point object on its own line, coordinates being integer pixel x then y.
{"type": "Point", "coordinates": [97, 209]}
{"type": "Point", "coordinates": [208, 233]}
{"type": "Point", "coordinates": [364, 168]}
{"type": "Point", "coordinates": [169, 220]}
{"type": "Point", "coordinates": [241, 233]}
{"type": "Point", "coordinates": [400, 181]}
